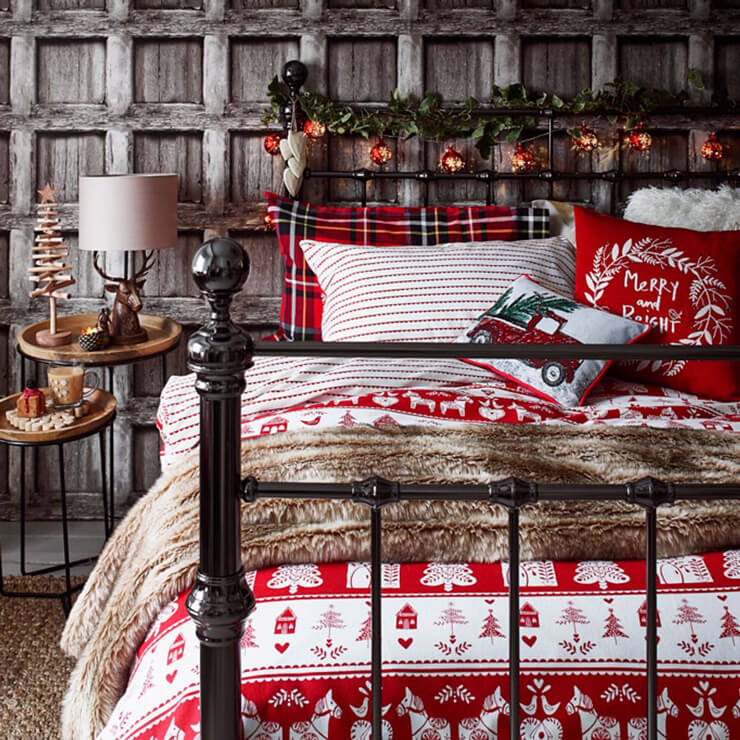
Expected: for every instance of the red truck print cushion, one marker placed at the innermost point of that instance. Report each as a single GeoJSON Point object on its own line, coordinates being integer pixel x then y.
{"type": "Point", "coordinates": [528, 313]}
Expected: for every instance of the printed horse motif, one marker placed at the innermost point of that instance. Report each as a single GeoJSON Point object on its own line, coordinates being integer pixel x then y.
{"type": "Point", "coordinates": [362, 729]}
{"type": "Point", "coordinates": [422, 725]}
{"type": "Point", "coordinates": [637, 726]}
{"type": "Point", "coordinates": [318, 725]}
{"type": "Point", "coordinates": [593, 726]}
{"type": "Point", "coordinates": [416, 400]}
{"type": "Point", "coordinates": [485, 725]}
{"type": "Point", "coordinates": [254, 727]}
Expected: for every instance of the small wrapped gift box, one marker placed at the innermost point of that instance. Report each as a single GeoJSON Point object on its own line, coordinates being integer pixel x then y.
{"type": "Point", "coordinates": [31, 403]}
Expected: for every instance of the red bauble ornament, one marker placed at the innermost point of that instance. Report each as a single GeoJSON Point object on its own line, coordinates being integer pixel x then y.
{"type": "Point", "coordinates": [640, 140]}
{"type": "Point", "coordinates": [586, 142]}
{"type": "Point", "coordinates": [712, 150]}
{"type": "Point", "coordinates": [272, 143]}
{"type": "Point", "coordinates": [314, 129]}
{"type": "Point", "coordinates": [451, 161]}
{"type": "Point", "coordinates": [522, 160]}
{"type": "Point", "coordinates": [381, 154]}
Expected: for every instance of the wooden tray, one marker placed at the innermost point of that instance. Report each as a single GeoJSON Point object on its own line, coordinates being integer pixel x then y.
{"type": "Point", "coordinates": [102, 407]}
{"type": "Point", "coordinates": [163, 335]}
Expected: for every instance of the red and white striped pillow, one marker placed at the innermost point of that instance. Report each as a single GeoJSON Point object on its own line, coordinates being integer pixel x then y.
{"type": "Point", "coordinates": [386, 294]}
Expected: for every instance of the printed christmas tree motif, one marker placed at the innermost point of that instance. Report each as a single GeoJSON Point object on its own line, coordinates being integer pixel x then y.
{"type": "Point", "coordinates": [613, 627]}
{"type": "Point", "coordinates": [601, 572]}
{"type": "Point", "coordinates": [366, 630]}
{"type": "Point", "coordinates": [573, 615]}
{"type": "Point", "coordinates": [329, 620]}
{"type": "Point", "coordinates": [491, 628]}
{"type": "Point", "coordinates": [731, 562]}
{"type": "Point", "coordinates": [730, 627]}
{"type": "Point", "coordinates": [451, 616]}
{"type": "Point", "coordinates": [248, 638]}
{"type": "Point", "coordinates": [524, 307]}
{"type": "Point", "coordinates": [293, 576]}
{"type": "Point", "coordinates": [347, 420]}
{"type": "Point", "coordinates": [688, 614]}
{"type": "Point", "coordinates": [448, 575]}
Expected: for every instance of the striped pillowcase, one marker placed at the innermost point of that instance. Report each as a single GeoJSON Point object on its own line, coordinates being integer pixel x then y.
{"type": "Point", "coordinates": [378, 226]}
{"type": "Point", "coordinates": [379, 294]}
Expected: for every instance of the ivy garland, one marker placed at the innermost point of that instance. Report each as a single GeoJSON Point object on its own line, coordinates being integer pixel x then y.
{"type": "Point", "coordinates": [430, 119]}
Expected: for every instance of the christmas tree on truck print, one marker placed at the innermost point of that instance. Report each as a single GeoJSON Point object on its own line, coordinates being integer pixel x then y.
{"type": "Point", "coordinates": [530, 319]}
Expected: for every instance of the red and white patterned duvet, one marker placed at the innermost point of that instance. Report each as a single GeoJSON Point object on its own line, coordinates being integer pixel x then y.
{"type": "Point", "coordinates": [297, 393]}
{"type": "Point", "coordinates": [306, 654]}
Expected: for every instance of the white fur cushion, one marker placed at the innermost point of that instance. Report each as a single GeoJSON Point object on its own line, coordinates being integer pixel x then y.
{"type": "Point", "coordinates": [693, 208]}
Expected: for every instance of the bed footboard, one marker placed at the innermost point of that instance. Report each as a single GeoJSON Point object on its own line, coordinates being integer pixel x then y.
{"type": "Point", "coordinates": [220, 600]}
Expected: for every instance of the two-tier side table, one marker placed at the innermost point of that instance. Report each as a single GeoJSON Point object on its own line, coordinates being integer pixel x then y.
{"type": "Point", "coordinates": [163, 336]}
{"type": "Point", "coordinates": [100, 416]}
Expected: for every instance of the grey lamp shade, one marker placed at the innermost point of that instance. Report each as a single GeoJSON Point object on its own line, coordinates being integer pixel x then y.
{"type": "Point", "coordinates": [128, 212]}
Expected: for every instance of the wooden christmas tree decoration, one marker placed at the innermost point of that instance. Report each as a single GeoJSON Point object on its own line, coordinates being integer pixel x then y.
{"type": "Point", "coordinates": [50, 272]}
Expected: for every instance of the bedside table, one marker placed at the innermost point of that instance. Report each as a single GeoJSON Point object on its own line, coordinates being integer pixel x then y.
{"type": "Point", "coordinates": [164, 335]}
{"type": "Point", "coordinates": [102, 412]}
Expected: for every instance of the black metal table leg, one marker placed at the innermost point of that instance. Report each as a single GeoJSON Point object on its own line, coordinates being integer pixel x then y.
{"type": "Point", "coordinates": [111, 465]}
{"type": "Point", "coordinates": [104, 483]}
{"type": "Point", "coordinates": [66, 601]}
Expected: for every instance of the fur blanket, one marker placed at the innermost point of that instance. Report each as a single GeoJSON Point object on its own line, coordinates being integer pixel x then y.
{"type": "Point", "coordinates": [153, 554]}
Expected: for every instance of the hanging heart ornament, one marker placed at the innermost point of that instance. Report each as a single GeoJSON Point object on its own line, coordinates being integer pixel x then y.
{"type": "Point", "coordinates": [294, 149]}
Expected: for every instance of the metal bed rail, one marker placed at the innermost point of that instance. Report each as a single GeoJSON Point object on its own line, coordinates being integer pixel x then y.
{"type": "Point", "coordinates": [220, 601]}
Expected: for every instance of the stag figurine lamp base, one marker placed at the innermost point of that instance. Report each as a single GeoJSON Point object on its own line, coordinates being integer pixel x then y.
{"type": "Point", "coordinates": [45, 338]}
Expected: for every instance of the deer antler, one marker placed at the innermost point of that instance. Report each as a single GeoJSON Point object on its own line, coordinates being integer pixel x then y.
{"type": "Point", "coordinates": [148, 263]}
{"type": "Point", "coordinates": [101, 272]}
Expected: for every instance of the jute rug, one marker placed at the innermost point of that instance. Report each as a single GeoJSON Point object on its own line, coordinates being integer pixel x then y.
{"type": "Point", "coordinates": [33, 670]}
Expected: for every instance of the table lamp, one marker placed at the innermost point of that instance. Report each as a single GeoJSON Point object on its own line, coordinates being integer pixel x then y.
{"type": "Point", "coordinates": [124, 213]}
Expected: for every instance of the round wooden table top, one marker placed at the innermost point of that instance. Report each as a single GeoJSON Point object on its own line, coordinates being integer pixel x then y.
{"type": "Point", "coordinates": [163, 335]}
{"type": "Point", "coordinates": [101, 407]}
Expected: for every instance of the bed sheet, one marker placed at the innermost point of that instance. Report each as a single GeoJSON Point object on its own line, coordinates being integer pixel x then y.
{"type": "Point", "coordinates": [297, 393]}
{"type": "Point", "coordinates": [305, 654]}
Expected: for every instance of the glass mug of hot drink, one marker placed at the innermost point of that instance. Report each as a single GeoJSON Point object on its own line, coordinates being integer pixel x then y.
{"type": "Point", "coordinates": [67, 384]}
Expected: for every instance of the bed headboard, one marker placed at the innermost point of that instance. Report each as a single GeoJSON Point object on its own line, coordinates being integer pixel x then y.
{"type": "Point", "coordinates": [617, 172]}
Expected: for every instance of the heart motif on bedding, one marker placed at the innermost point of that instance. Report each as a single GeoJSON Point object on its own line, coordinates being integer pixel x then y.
{"type": "Point", "coordinates": [171, 676]}
{"type": "Point", "coordinates": [281, 647]}
{"type": "Point", "coordinates": [405, 642]}
{"type": "Point", "coordinates": [489, 601]}
{"type": "Point", "coordinates": [529, 640]}
{"type": "Point", "coordinates": [722, 597]}
{"type": "Point", "coordinates": [609, 600]}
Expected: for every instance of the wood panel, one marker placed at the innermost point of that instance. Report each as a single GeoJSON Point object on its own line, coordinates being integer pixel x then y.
{"type": "Point", "coordinates": [253, 61]}
{"type": "Point", "coordinates": [4, 71]}
{"type": "Point", "coordinates": [252, 170]}
{"type": "Point", "coordinates": [4, 275]}
{"type": "Point", "coordinates": [362, 4]}
{"type": "Point", "coordinates": [4, 167]}
{"type": "Point", "coordinates": [170, 275]}
{"type": "Point", "coordinates": [168, 71]}
{"type": "Point", "coordinates": [5, 487]}
{"type": "Point", "coordinates": [70, 4]}
{"type": "Point", "coordinates": [71, 73]}
{"type": "Point", "coordinates": [440, 4]}
{"type": "Point", "coordinates": [265, 264]}
{"type": "Point", "coordinates": [181, 153]}
{"type": "Point", "coordinates": [727, 64]}
{"type": "Point", "coordinates": [147, 376]}
{"type": "Point", "coordinates": [168, 4]}
{"type": "Point", "coordinates": [353, 154]}
{"type": "Point", "coordinates": [63, 158]}
{"type": "Point", "coordinates": [558, 65]}
{"type": "Point", "coordinates": [459, 68]}
{"type": "Point", "coordinates": [652, 4]}
{"type": "Point", "coordinates": [262, 4]}
{"type": "Point", "coordinates": [654, 62]}
{"type": "Point", "coordinates": [148, 469]}
{"type": "Point", "coordinates": [669, 150]}
{"type": "Point", "coordinates": [354, 72]}
{"type": "Point", "coordinates": [557, 4]}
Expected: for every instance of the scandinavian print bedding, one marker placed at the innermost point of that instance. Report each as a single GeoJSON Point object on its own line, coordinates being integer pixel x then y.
{"type": "Point", "coordinates": [306, 650]}
{"type": "Point", "coordinates": [298, 393]}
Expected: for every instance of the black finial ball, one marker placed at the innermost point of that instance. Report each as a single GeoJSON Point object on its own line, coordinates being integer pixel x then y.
{"type": "Point", "coordinates": [220, 265]}
{"type": "Point", "coordinates": [294, 74]}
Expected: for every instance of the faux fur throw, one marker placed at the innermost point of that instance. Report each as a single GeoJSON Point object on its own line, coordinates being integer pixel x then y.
{"type": "Point", "coordinates": [693, 208]}
{"type": "Point", "coordinates": [153, 554]}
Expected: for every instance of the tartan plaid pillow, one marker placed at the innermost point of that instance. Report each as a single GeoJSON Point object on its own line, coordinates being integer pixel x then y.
{"type": "Point", "coordinates": [380, 226]}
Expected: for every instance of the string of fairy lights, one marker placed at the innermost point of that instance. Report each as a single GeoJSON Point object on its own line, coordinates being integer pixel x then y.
{"type": "Point", "coordinates": [523, 159]}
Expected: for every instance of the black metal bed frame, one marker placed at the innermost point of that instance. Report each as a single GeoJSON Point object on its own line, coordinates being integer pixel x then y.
{"type": "Point", "coordinates": [220, 353]}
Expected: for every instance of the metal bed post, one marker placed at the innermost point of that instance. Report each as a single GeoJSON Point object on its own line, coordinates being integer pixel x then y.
{"type": "Point", "coordinates": [220, 601]}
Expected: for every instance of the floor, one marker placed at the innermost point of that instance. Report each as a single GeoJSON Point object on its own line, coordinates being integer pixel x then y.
{"type": "Point", "coordinates": [44, 544]}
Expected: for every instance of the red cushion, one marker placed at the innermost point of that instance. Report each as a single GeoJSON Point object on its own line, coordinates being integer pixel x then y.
{"type": "Point", "coordinates": [683, 282]}
{"type": "Point", "coordinates": [386, 226]}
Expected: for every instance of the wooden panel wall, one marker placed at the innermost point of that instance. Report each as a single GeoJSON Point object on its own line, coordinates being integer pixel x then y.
{"type": "Point", "coordinates": [90, 87]}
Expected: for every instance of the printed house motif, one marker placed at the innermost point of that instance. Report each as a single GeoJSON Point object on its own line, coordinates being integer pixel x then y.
{"type": "Point", "coordinates": [642, 615]}
{"type": "Point", "coordinates": [275, 425]}
{"type": "Point", "coordinates": [285, 623]}
{"type": "Point", "coordinates": [528, 616]}
{"type": "Point", "coordinates": [177, 649]}
{"type": "Point", "coordinates": [406, 618]}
